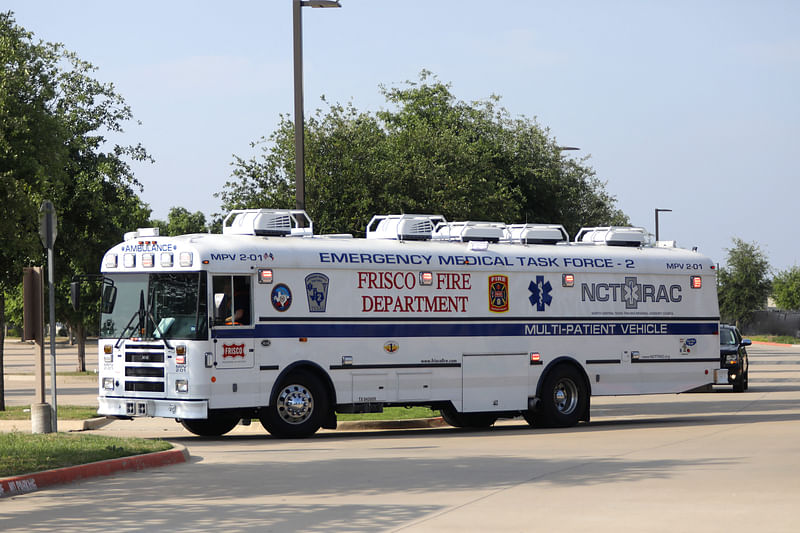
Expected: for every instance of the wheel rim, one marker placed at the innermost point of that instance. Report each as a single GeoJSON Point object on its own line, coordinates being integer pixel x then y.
{"type": "Point", "coordinates": [295, 404]}
{"type": "Point", "coordinates": [565, 396]}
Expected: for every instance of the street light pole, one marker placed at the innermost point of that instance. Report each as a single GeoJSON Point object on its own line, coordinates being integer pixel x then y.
{"type": "Point", "coordinates": [657, 212]}
{"type": "Point", "coordinates": [299, 122]}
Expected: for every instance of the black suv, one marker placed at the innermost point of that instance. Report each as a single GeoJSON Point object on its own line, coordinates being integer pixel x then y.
{"type": "Point", "coordinates": [733, 356]}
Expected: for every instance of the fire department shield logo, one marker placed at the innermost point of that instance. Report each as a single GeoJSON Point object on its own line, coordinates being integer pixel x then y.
{"type": "Point", "coordinates": [498, 294]}
{"type": "Point", "coordinates": [317, 292]}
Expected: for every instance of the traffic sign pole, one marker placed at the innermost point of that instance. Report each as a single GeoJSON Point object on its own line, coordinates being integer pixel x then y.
{"type": "Point", "coordinates": [48, 228]}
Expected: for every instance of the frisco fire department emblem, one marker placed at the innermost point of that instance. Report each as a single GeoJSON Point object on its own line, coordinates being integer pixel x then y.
{"type": "Point", "coordinates": [233, 350]}
{"type": "Point", "coordinates": [281, 297]}
{"type": "Point", "coordinates": [498, 294]}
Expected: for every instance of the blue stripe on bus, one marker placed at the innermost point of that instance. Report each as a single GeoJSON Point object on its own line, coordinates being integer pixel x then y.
{"type": "Point", "coordinates": [461, 329]}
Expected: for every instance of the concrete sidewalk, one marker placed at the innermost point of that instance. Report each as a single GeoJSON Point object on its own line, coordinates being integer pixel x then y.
{"type": "Point", "coordinates": [150, 428]}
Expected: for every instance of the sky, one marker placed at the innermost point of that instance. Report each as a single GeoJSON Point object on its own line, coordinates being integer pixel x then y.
{"type": "Point", "coordinates": [692, 106]}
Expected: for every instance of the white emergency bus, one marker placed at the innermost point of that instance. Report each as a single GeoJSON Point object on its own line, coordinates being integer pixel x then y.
{"type": "Point", "coordinates": [479, 320]}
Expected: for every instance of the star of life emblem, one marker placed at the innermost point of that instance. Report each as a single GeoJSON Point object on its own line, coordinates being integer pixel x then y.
{"type": "Point", "coordinates": [540, 296]}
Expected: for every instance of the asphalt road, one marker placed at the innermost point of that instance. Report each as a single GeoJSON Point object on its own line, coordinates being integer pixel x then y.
{"type": "Point", "coordinates": [718, 461]}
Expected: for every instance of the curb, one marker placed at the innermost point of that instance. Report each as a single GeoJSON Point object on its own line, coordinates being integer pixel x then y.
{"type": "Point", "coordinates": [13, 486]}
{"type": "Point", "coordinates": [96, 423]}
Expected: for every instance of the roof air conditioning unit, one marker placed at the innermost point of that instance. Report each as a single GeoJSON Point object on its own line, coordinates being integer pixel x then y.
{"type": "Point", "coordinates": [267, 223]}
{"type": "Point", "coordinates": [405, 227]}
{"type": "Point", "coordinates": [614, 236]}
{"type": "Point", "coordinates": [537, 233]}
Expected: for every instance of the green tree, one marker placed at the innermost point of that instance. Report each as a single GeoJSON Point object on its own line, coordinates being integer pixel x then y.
{"type": "Point", "coordinates": [181, 222]}
{"type": "Point", "coordinates": [428, 153]}
{"type": "Point", "coordinates": [743, 283]}
{"type": "Point", "coordinates": [786, 288]}
{"type": "Point", "coordinates": [54, 118]}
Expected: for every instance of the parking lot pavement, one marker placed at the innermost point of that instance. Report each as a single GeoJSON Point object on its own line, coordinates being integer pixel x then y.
{"type": "Point", "coordinates": [719, 461]}
{"type": "Point", "coordinates": [18, 370]}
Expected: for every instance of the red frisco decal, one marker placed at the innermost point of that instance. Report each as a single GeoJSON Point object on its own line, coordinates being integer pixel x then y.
{"type": "Point", "coordinates": [233, 350]}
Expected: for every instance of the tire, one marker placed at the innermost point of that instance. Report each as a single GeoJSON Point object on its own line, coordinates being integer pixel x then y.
{"type": "Point", "coordinates": [467, 420]}
{"type": "Point", "coordinates": [213, 426]}
{"type": "Point", "coordinates": [740, 383]}
{"type": "Point", "coordinates": [746, 383]}
{"type": "Point", "coordinates": [565, 398]}
{"type": "Point", "coordinates": [298, 407]}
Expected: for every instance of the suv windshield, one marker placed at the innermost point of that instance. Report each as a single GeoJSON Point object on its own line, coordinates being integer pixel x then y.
{"type": "Point", "coordinates": [727, 336]}
{"type": "Point", "coordinates": [157, 306]}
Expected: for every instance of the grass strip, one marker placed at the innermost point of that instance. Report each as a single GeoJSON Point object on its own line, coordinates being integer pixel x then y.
{"type": "Point", "coordinates": [390, 413]}
{"type": "Point", "coordinates": [780, 339]}
{"type": "Point", "coordinates": [65, 412]}
{"type": "Point", "coordinates": [23, 453]}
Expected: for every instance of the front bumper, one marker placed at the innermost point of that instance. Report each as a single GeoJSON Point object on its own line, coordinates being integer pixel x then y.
{"type": "Point", "coordinates": [110, 406]}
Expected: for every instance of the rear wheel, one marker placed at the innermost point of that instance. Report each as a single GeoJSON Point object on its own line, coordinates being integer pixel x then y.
{"type": "Point", "coordinates": [213, 426]}
{"type": "Point", "coordinates": [298, 407]}
{"type": "Point", "coordinates": [565, 398]}
{"type": "Point", "coordinates": [467, 420]}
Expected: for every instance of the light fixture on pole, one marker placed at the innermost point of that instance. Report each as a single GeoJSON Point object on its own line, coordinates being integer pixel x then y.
{"type": "Point", "coordinates": [657, 212]}
{"type": "Point", "coordinates": [299, 123]}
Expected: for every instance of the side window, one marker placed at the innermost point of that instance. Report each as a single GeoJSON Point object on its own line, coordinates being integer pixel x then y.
{"type": "Point", "coordinates": [232, 300]}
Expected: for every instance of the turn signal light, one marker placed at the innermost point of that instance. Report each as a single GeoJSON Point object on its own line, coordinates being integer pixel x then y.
{"type": "Point", "coordinates": [696, 282]}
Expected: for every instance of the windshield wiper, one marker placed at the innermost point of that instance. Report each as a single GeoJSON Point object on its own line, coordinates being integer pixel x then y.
{"type": "Point", "coordinates": [152, 319]}
{"type": "Point", "coordinates": [138, 313]}
{"type": "Point", "coordinates": [143, 313]}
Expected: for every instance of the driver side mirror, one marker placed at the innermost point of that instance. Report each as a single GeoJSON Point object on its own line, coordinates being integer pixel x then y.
{"type": "Point", "coordinates": [109, 298]}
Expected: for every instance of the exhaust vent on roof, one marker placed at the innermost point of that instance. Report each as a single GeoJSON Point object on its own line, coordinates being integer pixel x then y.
{"type": "Point", "coordinates": [614, 236]}
{"type": "Point", "coordinates": [536, 233]}
{"type": "Point", "coordinates": [403, 227]}
{"type": "Point", "coordinates": [268, 223]}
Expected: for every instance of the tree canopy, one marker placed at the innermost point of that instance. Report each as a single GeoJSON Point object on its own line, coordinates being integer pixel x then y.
{"type": "Point", "coordinates": [743, 283]}
{"type": "Point", "coordinates": [786, 288]}
{"type": "Point", "coordinates": [428, 153]}
{"type": "Point", "coordinates": [180, 221]}
{"type": "Point", "coordinates": [54, 122]}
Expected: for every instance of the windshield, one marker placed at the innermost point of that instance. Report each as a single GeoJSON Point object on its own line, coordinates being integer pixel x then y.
{"type": "Point", "coordinates": [157, 306]}
{"type": "Point", "coordinates": [727, 337]}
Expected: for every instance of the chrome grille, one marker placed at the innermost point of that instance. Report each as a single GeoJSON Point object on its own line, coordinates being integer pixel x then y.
{"type": "Point", "coordinates": [144, 367]}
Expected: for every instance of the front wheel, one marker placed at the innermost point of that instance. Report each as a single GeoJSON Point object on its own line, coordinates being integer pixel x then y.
{"type": "Point", "coordinates": [298, 407]}
{"type": "Point", "coordinates": [565, 398]}
{"type": "Point", "coordinates": [213, 426]}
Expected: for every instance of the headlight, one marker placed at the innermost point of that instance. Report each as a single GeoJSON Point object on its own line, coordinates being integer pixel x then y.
{"type": "Point", "coordinates": [730, 359]}
{"type": "Point", "coordinates": [181, 385]}
{"type": "Point", "coordinates": [108, 383]}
